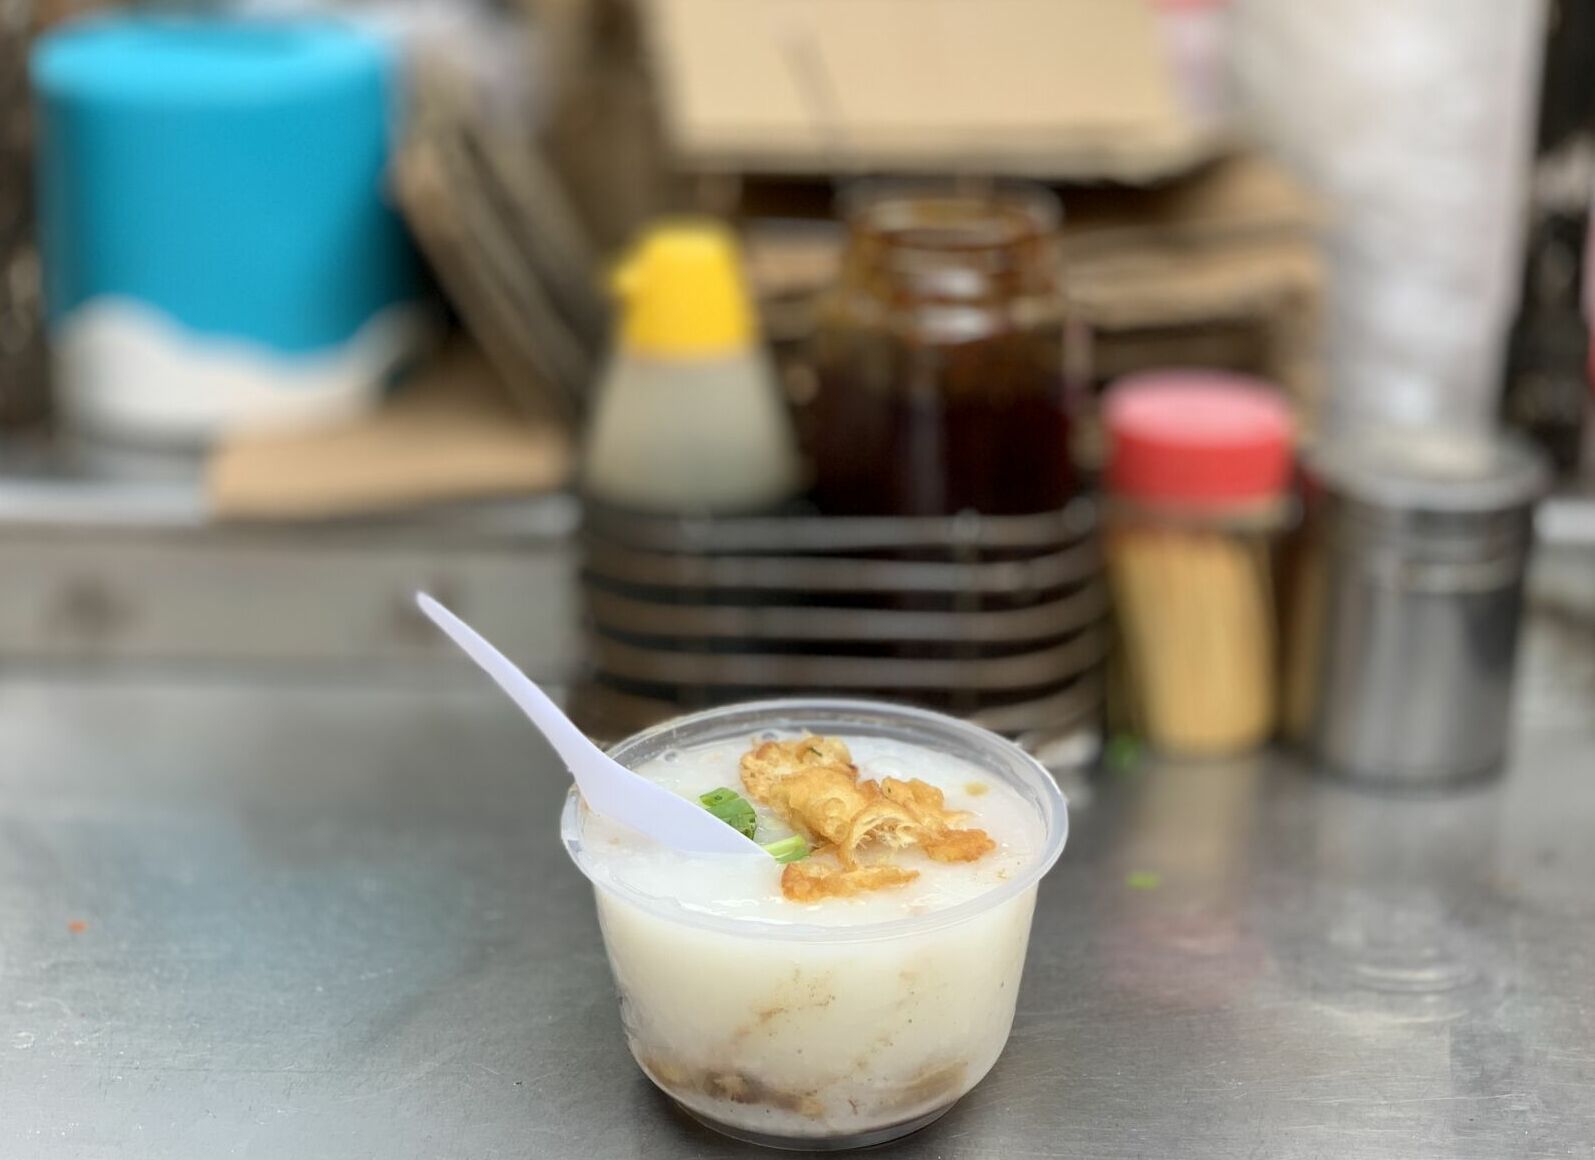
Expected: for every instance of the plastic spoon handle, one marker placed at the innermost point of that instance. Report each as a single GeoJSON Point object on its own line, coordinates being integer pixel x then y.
{"type": "Point", "coordinates": [609, 787]}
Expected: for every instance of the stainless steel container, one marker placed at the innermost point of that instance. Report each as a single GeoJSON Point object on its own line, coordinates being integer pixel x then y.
{"type": "Point", "coordinates": [1406, 593]}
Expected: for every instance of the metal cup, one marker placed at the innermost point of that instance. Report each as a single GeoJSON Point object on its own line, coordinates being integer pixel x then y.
{"type": "Point", "coordinates": [1407, 592]}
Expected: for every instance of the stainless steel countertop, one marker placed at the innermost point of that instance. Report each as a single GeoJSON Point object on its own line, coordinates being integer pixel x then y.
{"type": "Point", "coordinates": [303, 921]}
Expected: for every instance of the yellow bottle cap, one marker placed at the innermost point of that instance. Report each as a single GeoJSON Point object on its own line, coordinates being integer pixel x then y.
{"type": "Point", "coordinates": [683, 294]}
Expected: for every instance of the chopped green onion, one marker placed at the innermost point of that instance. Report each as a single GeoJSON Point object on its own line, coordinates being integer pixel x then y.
{"type": "Point", "coordinates": [732, 809]}
{"type": "Point", "coordinates": [1143, 880]}
{"type": "Point", "coordinates": [789, 849]}
{"type": "Point", "coordinates": [1123, 752]}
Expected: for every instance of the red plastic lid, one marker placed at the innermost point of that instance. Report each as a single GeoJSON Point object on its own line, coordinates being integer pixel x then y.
{"type": "Point", "coordinates": [1205, 438]}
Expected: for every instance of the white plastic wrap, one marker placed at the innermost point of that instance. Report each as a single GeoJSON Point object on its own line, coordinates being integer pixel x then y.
{"type": "Point", "coordinates": [1414, 120]}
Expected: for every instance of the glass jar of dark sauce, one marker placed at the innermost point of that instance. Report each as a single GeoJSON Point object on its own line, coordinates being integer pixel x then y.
{"type": "Point", "coordinates": [939, 360]}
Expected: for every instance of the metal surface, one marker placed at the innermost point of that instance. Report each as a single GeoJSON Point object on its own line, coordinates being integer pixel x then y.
{"type": "Point", "coordinates": [334, 921]}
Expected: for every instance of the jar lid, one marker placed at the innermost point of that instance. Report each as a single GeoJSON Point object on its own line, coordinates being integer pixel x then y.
{"type": "Point", "coordinates": [1201, 438]}
{"type": "Point", "coordinates": [1425, 472]}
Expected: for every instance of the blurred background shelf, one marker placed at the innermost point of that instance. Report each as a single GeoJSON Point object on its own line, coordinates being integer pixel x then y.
{"type": "Point", "coordinates": [114, 573]}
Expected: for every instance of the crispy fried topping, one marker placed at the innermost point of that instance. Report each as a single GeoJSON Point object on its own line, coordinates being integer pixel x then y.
{"type": "Point", "coordinates": [958, 846]}
{"type": "Point", "coordinates": [809, 881]}
{"type": "Point", "coordinates": [936, 835]}
{"type": "Point", "coordinates": [813, 784]}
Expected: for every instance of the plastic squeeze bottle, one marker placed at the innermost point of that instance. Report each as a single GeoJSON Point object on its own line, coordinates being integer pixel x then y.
{"type": "Point", "coordinates": [688, 417]}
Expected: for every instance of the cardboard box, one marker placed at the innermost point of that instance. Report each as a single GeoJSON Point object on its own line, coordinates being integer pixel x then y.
{"type": "Point", "coordinates": [1054, 89]}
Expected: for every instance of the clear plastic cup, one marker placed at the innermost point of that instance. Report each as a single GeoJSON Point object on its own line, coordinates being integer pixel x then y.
{"type": "Point", "coordinates": [803, 1036]}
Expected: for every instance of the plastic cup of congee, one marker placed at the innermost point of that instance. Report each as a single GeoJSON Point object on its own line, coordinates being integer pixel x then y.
{"type": "Point", "coordinates": [836, 1023]}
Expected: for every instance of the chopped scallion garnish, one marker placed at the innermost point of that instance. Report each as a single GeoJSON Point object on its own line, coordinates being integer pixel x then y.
{"type": "Point", "coordinates": [789, 849]}
{"type": "Point", "coordinates": [732, 809]}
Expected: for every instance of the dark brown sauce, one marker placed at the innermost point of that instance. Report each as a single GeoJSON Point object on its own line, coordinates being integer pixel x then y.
{"type": "Point", "coordinates": [938, 430]}
{"type": "Point", "coordinates": [939, 364]}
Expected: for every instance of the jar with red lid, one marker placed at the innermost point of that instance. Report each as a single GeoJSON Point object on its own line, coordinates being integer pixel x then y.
{"type": "Point", "coordinates": [1198, 479]}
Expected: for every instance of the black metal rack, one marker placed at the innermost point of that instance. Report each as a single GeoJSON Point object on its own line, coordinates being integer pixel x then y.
{"type": "Point", "coordinates": [1001, 619]}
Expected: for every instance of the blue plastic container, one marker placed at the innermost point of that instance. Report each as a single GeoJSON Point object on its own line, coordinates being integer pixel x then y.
{"type": "Point", "coordinates": [219, 248]}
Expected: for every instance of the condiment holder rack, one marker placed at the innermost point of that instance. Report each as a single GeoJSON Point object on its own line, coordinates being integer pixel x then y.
{"type": "Point", "coordinates": [999, 619]}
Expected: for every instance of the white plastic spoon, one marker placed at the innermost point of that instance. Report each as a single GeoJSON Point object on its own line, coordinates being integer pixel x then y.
{"type": "Point", "coordinates": [608, 787]}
